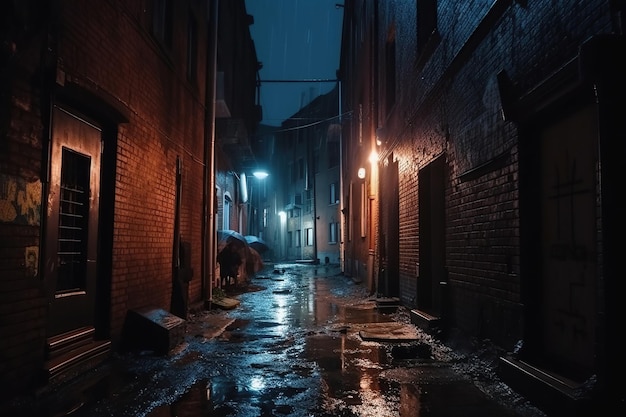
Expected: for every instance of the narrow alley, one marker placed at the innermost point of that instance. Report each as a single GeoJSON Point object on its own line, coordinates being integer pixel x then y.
{"type": "Point", "coordinates": [304, 340]}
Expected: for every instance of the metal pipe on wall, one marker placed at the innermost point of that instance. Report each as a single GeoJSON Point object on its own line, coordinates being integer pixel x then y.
{"type": "Point", "coordinates": [209, 252]}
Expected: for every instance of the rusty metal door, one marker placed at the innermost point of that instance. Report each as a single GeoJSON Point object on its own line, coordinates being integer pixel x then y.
{"type": "Point", "coordinates": [569, 240]}
{"type": "Point", "coordinates": [72, 222]}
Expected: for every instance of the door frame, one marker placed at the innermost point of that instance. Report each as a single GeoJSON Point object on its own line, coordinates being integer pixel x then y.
{"type": "Point", "coordinates": [80, 141]}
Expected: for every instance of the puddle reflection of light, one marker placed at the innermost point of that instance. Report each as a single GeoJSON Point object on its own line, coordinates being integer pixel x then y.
{"type": "Point", "coordinates": [257, 383]}
{"type": "Point", "coordinates": [281, 310]}
{"type": "Point", "coordinates": [365, 383]}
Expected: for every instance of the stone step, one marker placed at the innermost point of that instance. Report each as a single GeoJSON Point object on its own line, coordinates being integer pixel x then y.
{"type": "Point", "coordinates": [65, 342]}
{"type": "Point", "coordinates": [387, 302]}
{"type": "Point", "coordinates": [425, 321]}
{"type": "Point", "coordinates": [552, 393]}
{"type": "Point", "coordinates": [82, 356]}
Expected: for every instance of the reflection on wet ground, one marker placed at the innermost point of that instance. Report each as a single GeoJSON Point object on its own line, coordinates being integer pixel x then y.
{"type": "Point", "coordinates": [291, 348]}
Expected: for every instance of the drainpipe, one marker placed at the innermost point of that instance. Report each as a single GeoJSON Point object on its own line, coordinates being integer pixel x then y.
{"type": "Point", "coordinates": [341, 183]}
{"type": "Point", "coordinates": [49, 63]}
{"type": "Point", "coordinates": [209, 253]}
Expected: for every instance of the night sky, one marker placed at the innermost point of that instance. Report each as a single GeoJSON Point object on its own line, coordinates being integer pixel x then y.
{"type": "Point", "coordinates": [295, 40]}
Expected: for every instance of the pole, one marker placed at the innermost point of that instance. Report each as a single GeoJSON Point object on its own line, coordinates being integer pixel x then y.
{"type": "Point", "coordinates": [209, 253]}
{"type": "Point", "coordinates": [341, 185]}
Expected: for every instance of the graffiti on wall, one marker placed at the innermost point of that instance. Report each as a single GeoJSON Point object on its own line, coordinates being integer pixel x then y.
{"type": "Point", "coordinates": [20, 201]}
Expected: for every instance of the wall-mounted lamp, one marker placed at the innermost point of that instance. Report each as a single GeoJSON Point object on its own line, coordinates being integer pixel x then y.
{"type": "Point", "coordinates": [373, 157]}
{"type": "Point", "coordinates": [261, 175]}
{"type": "Point", "coordinates": [361, 173]}
{"type": "Point", "coordinates": [243, 187]}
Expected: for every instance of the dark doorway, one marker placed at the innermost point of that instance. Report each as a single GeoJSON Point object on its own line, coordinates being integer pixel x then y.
{"type": "Point", "coordinates": [389, 277]}
{"type": "Point", "coordinates": [432, 277]}
{"type": "Point", "coordinates": [559, 237]}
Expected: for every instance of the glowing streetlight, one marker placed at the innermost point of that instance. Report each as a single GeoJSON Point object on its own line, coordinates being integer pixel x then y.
{"type": "Point", "coordinates": [261, 175]}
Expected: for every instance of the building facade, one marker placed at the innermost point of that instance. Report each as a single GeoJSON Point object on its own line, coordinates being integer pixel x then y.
{"type": "Point", "coordinates": [480, 178]}
{"type": "Point", "coordinates": [308, 145]}
{"type": "Point", "coordinates": [106, 168]}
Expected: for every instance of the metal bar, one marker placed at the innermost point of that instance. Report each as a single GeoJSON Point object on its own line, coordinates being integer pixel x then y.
{"type": "Point", "coordinates": [304, 80]}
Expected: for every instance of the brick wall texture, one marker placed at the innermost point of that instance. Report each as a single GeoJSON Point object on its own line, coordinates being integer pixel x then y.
{"type": "Point", "coordinates": [447, 102]}
{"type": "Point", "coordinates": [106, 51]}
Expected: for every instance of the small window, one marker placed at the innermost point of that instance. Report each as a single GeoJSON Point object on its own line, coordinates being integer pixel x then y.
{"type": "Point", "coordinates": [162, 23]}
{"type": "Point", "coordinates": [298, 241]}
{"type": "Point", "coordinates": [226, 211]}
{"type": "Point", "coordinates": [333, 232]}
{"type": "Point", "coordinates": [333, 194]}
{"type": "Point", "coordinates": [309, 236]}
{"type": "Point", "coordinates": [192, 49]}
{"type": "Point", "coordinates": [426, 23]}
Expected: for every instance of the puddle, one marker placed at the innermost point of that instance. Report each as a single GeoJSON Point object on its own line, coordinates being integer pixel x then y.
{"type": "Point", "coordinates": [282, 353]}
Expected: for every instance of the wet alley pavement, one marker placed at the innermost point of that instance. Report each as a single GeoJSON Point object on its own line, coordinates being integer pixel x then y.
{"type": "Point", "coordinates": [304, 341]}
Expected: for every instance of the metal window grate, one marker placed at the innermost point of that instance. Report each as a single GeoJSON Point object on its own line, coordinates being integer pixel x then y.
{"type": "Point", "coordinates": [73, 215]}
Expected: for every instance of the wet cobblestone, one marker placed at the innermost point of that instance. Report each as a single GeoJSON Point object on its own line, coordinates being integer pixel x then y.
{"type": "Point", "coordinates": [292, 347]}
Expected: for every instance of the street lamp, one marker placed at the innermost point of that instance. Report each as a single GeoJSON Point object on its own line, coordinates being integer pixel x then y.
{"type": "Point", "coordinates": [260, 175]}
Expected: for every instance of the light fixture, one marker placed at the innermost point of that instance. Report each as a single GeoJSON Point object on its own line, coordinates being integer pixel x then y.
{"type": "Point", "coordinates": [361, 173]}
{"type": "Point", "coordinates": [261, 175]}
{"type": "Point", "coordinates": [373, 157]}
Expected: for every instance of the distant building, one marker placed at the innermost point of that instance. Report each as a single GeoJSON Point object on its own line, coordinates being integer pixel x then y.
{"type": "Point", "coordinates": [106, 169]}
{"type": "Point", "coordinates": [480, 180]}
{"type": "Point", "coordinates": [307, 164]}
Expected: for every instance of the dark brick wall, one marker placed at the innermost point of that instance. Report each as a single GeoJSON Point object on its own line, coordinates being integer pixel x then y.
{"type": "Point", "coordinates": [22, 300]}
{"type": "Point", "coordinates": [104, 51]}
{"type": "Point", "coordinates": [448, 102]}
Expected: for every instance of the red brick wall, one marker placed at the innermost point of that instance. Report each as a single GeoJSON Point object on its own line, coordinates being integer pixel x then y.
{"type": "Point", "coordinates": [113, 48]}
{"type": "Point", "coordinates": [104, 49]}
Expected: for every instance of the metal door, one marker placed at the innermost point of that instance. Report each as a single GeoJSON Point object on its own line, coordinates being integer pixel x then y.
{"type": "Point", "coordinates": [72, 222]}
{"type": "Point", "coordinates": [569, 240]}
{"type": "Point", "coordinates": [432, 279]}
